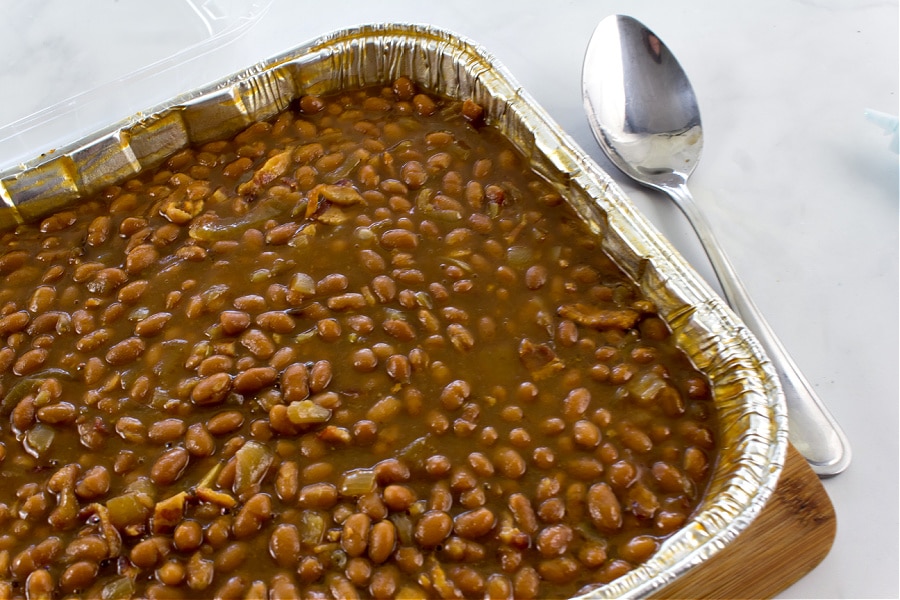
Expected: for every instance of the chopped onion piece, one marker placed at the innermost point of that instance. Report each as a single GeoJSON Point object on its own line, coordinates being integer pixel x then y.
{"type": "Point", "coordinates": [646, 386]}
{"type": "Point", "coordinates": [253, 462]}
{"type": "Point", "coordinates": [305, 412]}
{"type": "Point", "coordinates": [38, 439]}
{"type": "Point", "coordinates": [357, 482]}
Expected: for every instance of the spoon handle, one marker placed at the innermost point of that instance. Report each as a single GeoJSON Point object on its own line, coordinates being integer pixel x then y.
{"type": "Point", "coordinates": [812, 429]}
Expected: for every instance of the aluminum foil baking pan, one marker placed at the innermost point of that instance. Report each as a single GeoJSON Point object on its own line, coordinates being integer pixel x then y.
{"type": "Point", "coordinates": [748, 397]}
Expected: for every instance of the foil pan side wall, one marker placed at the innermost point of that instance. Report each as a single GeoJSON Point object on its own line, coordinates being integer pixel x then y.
{"type": "Point", "coordinates": [746, 389]}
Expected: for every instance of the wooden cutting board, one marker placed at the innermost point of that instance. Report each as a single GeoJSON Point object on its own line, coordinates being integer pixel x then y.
{"type": "Point", "coordinates": [792, 535]}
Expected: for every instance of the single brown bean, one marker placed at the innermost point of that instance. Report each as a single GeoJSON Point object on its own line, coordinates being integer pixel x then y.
{"type": "Point", "coordinates": [474, 523]}
{"type": "Point", "coordinates": [287, 481]}
{"type": "Point", "coordinates": [234, 322]}
{"type": "Point", "coordinates": [318, 496]}
{"type": "Point", "coordinates": [85, 271]}
{"type": "Point", "coordinates": [78, 576]}
{"type": "Point", "coordinates": [152, 325]}
{"type": "Point", "coordinates": [320, 376]}
{"type": "Point", "coordinates": [231, 557]}
{"type": "Point", "coordinates": [526, 583]}
{"type": "Point", "coordinates": [131, 429]}
{"type": "Point", "coordinates": [98, 231]}
{"type": "Point", "coordinates": [200, 572]}
{"type": "Point", "coordinates": [441, 496]}
{"type": "Point", "coordinates": [642, 501]}
{"type": "Point", "coordinates": [284, 545]}
{"type": "Point", "coordinates": [329, 329]}
{"type": "Point", "coordinates": [88, 548]}
{"type": "Point", "coordinates": [523, 512]}
{"type": "Point", "coordinates": [281, 234]}
{"type": "Point", "coordinates": [23, 415]}
{"type": "Point", "coordinates": [295, 382]}
{"type": "Point", "coordinates": [350, 301]}
{"type": "Point", "coordinates": [371, 260]}
{"type": "Point", "coordinates": [455, 394]}
{"type": "Point", "coordinates": [83, 322]}
{"type": "Point", "coordinates": [384, 288]}
{"type": "Point", "coordinates": [94, 483]}
{"type": "Point", "coordinates": [126, 351]}
{"type": "Point", "coordinates": [251, 517]}
{"type": "Point", "coordinates": [41, 299]}
{"type": "Point", "coordinates": [39, 584]}
{"type": "Point", "coordinates": [106, 280]}
{"type": "Point", "coordinates": [399, 368]}
{"type": "Point", "coordinates": [355, 534]}
{"type": "Point", "coordinates": [403, 88]}
{"type": "Point", "coordinates": [509, 462]}
{"type": "Point", "coordinates": [254, 379]}
{"type": "Point", "coordinates": [576, 403]}
{"type": "Point", "coordinates": [198, 441]}
{"type": "Point", "coordinates": [225, 422]}
{"type": "Point", "coordinates": [275, 321]}
{"type": "Point", "coordinates": [31, 361]}
{"type": "Point", "coordinates": [604, 508]}
{"type": "Point", "coordinates": [558, 570]}
{"type": "Point", "coordinates": [586, 434]}
{"type": "Point", "coordinates": [258, 343]}
{"type": "Point", "coordinates": [212, 390]}
{"type": "Point", "coordinates": [61, 413]}
{"type": "Point", "coordinates": [400, 239]}
{"type": "Point", "coordinates": [169, 466]}
{"type": "Point", "coordinates": [384, 409]}
{"type": "Point", "coordinates": [237, 167]}
{"type": "Point", "coordinates": [634, 438]}
{"type": "Point", "coordinates": [621, 474]}
{"type": "Point", "coordinates": [552, 510]}
{"type": "Point", "coordinates": [171, 573]}
{"type": "Point", "coordinates": [166, 430]}
{"type": "Point", "coordinates": [217, 363]}
{"type": "Point", "coordinates": [141, 257]}
{"type": "Point", "coordinates": [584, 468]}
{"type": "Point", "coordinates": [7, 358]}
{"type": "Point", "coordinates": [554, 540]}
{"type": "Point", "coordinates": [234, 588]}
{"type": "Point", "coordinates": [398, 497]}
{"type": "Point", "coordinates": [639, 548]}
{"type": "Point", "coordinates": [188, 536]}
{"type": "Point", "coordinates": [424, 104]}
{"type": "Point", "coordinates": [399, 329]}
{"type": "Point", "coordinates": [364, 360]}
{"type": "Point", "coordinates": [413, 174]}
{"type": "Point", "coordinates": [695, 463]}
{"type": "Point", "coordinates": [432, 528]}
{"type": "Point", "coordinates": [147, 553]}
{"type": "Point", "coordinates": [333, 283]}
{"type": "Point", "coordinates": [669, 478]}
{"type": "Point", "coordinates": [382, 541]}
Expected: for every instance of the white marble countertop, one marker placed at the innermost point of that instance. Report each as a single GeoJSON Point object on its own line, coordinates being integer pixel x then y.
{"type": "Point", "coordinates": [801, 189]}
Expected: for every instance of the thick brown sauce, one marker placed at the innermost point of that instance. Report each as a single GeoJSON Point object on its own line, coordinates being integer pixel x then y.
{"type": "Point", "coordinates": [494, 408]}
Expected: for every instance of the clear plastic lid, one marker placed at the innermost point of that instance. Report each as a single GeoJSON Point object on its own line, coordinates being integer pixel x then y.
{"type": "Point", "coordinates": [88, 66]}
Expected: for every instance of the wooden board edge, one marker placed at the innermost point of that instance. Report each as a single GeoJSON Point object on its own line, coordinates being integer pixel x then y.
{"type": "Point", "coordinates": [790, 537]}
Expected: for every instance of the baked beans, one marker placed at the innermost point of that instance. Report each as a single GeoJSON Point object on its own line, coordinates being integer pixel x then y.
{"type": "Point", "coordinates": [360, 349]}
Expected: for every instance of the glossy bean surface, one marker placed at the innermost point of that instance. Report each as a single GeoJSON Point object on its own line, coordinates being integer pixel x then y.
{"type": "Point", "coordinates": [358, 350]}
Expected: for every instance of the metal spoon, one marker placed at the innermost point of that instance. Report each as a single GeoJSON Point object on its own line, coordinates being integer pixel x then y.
{"type": "Point", "coordinates": [643, 112]}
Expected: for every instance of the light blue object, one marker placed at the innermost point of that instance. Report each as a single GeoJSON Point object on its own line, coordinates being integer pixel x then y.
{"type": "Point", "coordinates": [886, 122]}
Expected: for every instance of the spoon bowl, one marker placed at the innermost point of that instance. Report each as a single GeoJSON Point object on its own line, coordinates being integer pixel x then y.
{"type": "Point", "coordinates": [644, 114]}
{"type": "Point", "coordinates": [658, 146]}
